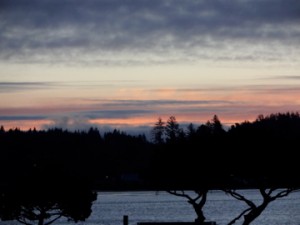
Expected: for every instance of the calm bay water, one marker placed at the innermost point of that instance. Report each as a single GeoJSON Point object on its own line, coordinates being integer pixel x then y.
{"type": "Point", "coordinates": [161, 206]}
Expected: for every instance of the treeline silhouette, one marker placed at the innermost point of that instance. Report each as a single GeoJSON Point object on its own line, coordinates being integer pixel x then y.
{"type": "Point", "coordinates": [246, 155]}
{"type": "Point", "coordinates": [255, 154]}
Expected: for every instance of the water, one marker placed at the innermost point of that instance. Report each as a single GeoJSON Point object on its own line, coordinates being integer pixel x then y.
{"type": "Point", "coordinates": [152, 206]}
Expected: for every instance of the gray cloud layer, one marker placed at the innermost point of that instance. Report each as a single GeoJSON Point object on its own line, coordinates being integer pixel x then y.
{"type": "Point", "coordinates": [20, 86]}
{"type": "Point", "coordinates": [22, 117]}
{"type": "Point", "coordinates": [143, 31]}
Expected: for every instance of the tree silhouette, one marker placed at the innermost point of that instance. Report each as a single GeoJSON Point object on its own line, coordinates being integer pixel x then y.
{"type": "Point", "coordinates": [191, 132]}
{"type": "Point", "coordinates": [197, 202]}
{"type": "Point", "coordinates": [215, 126]}
{"type": "Point", "coordinates": [253, 211]}
{"type": "Point", "coordinates": [46, 175]}
{"type": "Point", "coordinates": [172, 129]}
{"type": "Point", "coordinates": [158, 132]}
{"type": "Point", "coordinates": [43, 198]}
{"type": "Point", "coordinates": [277, 131]}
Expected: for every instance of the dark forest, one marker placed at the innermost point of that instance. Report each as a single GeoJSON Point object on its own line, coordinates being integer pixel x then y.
{"type": "Point", "coordinates": [43, 170]}
{"type": "Point", "coordinates": [249, 154]}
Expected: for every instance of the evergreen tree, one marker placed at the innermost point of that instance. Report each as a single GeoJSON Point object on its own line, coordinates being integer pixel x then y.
{"type": "Point", "coordinates": [158, 132]}
{"type": "Point", "coordinates": [172, 129]}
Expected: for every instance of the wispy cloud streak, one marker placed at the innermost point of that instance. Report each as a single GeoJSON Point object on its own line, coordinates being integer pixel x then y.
{"type": "Point", "coordinates": [20, 86]}
{"type": "Point", "coordinates": [238, 102]}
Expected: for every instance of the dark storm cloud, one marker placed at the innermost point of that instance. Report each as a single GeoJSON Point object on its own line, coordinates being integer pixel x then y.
{"type": "Point", "coordinates": [90, 31]}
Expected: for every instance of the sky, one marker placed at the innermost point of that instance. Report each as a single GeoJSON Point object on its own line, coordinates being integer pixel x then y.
{"type": "Point", "coordinates": [124, 63]}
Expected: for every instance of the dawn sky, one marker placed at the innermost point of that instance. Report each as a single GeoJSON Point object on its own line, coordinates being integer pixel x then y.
{"type": "Point", "coordinates": [124, 63]}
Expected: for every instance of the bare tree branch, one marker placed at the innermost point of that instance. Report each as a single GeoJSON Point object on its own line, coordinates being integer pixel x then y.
{"type": "Point", "coordinates": [197, 205]}
{"type": "Point", "coordinates": [51, 221]}
{"type": "Point", "coordinates": [182, 194]}
{"type": "Point", "coordinates": [238, 217]}
{"type": "Point", "coordinates": [240, 197]}
{"type": "Point", "coordinates": [23, 221]}
{"type": "Point", "coordinates": [254, 211]}
{"type": "Point", "coordinates": [283, 193]}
